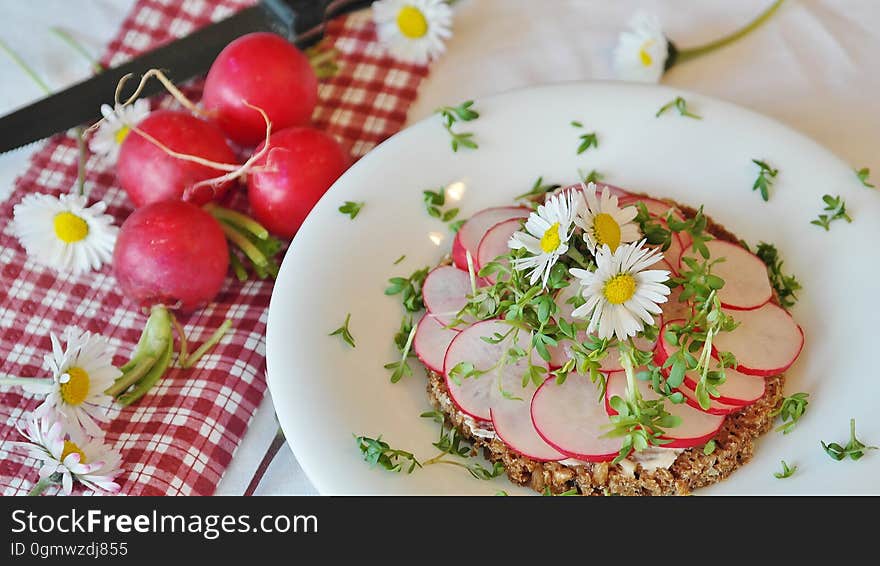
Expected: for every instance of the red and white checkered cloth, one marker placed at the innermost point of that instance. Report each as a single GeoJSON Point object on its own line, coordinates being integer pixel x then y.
{"type": "Point", "coordinates": [179, 438]}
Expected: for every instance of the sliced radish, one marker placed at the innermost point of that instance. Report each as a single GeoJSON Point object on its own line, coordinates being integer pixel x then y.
{"type": "Point", "coordinates": [471, 232]}
{"type": "Point", "coordinates": [494, 244]}
{"type": "Point", "coordinates": [715, 407]}
{"type": "Point", "coordinates": [571, 419]}
{"type": "Point", "coordinates": [766, 342]}
{"type": "Point", "coordinates": [656, 208]}
{"type": "Point", "coordinates": [696, 426]}
{"type": "Point", "coordinates": [673, 309]}
{"type": "Point", "coordinates": [600, 187]}
{"type": "Point", "coordinates": [738, 388]}
{"type": "Point", "coordinates": [746, 285]}
{"type": "Point", "coordinates": [474, 395]}
{"type": "Point", "coordinates": [445, 292]}
{"type": "Point", "coordinates": [672, 255]}
{"type": "Point", "coordinates": [431, 341]}
{"type": "Point", "coordinates": [512, 421]}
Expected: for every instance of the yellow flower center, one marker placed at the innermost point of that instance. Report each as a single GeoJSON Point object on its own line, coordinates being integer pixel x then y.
{"type": "Point", "coordinates": [606, 230]}
{"type": "Point", "coordinates": [70, 228]}
{"type": "Point", "coordinates": [412, 22]}
{"type": "Point", "coordinates": [550, 240]}
{"type": "Point", "coordinates": [76, 389]}
{"type": "Point", "coordinates": [620, 288]}
{"type": "Point", "coordinates": [121, 134]}
{"type": "Point", "coordinates": [644, 56]}
{"type": "Point", "coordinates": [72, 448]}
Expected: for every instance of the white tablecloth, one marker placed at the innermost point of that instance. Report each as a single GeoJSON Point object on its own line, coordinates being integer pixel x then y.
{"type": "Point", "coordinates": [814, 67]}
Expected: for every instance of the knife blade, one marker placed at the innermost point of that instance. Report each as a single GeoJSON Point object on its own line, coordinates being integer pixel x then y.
{"type": "Point", "coordinates": [300, 21]}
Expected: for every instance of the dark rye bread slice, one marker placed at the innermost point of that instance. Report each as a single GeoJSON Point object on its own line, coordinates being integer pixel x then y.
{"type": "Point", "coordinates": [734, 443]}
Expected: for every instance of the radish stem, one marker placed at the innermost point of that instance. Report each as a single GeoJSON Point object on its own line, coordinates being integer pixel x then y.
{"type": "Point", "coordinates": [132, 376]}
{"type": "Point", "coordinates": [238, 220]}
{"type": "Point", "coordinates": [166, 82]}
{"type": "Point", "coordinates": [237, 267]}
{"type": "Point", "coordinates": [149, 380]}
{"type": "Point", "coordinates": [250, 250]}
{"type": "Point", "coordinates": [210, 343]}
{"type": "Point", "coordinates": [181, 338]}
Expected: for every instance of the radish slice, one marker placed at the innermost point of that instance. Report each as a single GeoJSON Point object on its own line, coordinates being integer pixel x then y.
{"type": "Point", "coordinates": [474, 396]}
{"type": "Point", "coordinates": [696, 427]}
{"type": "Point", "coordinates": [673, 254]}
{"type": "Point", "coordinates": [746, 285]}
{"type": "Point", "coordinates": [563, 296]}
{"type": "Point", "coordinates": [738, 388]}
{"type": "Point", "coordinates": [673, 309]}
{"type": "Point", "coordinates": [715, 407]}
{"type": "Point", "coordinates": [766, 342]}
{"type": "Point", "coordinates": [494, 244]}
{"type": "Point", "coordinates": [471, 232]}
{"type": "Point", "coordinates": [445, 292]}
{"type": "Point", "coordinates": [431, 341]}
{"type": "Point", "coordinates": [600, 187]}
{"type": "Point", "coordinates": [656, 208]}
{"type": "Point", "coordinates": [571, 419]}
{"type": "Point", "coordinates": [512, 421]}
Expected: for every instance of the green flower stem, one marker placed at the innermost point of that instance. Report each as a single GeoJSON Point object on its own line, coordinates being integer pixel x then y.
{"type": "Point", "coordinates": [632, 391]}
{"type": "Point", "coordinates": [210, 343]}
{"type": "Point", "coordinates": [25, 67]}
{"type": "Point", "coordinates": [694, 52]}
{"type": "Point", "coordinates": [250, 250]}
{"type": "Point", "coordinates": [79, 132]}
{"type": "Point", "coordinates": [132, 376]}
{"type": "Point", "coordinates": [64, 36]}
{"type": "Point", "coordinates": [238, 220]}
{"type": "Point", "coordinates": [22, 381]}
{"type": "Point", "coordinates": [40, 487]}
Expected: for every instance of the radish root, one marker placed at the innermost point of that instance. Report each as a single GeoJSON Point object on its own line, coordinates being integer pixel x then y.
{"type": "Point", "coordinates": [166, 82]}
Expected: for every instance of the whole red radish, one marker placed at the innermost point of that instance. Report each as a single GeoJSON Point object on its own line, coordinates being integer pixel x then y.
{"type": "Point", "coordinates": [291, 177]}
{"type": "Point", "coordinates": [171, 253]}
{"type": "Point", "coordinates": [149, 174]}
{"type": "Point", "coordinates": [264, 70]}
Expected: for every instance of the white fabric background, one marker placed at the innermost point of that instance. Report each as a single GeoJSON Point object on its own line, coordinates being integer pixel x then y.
{"type": "Point", "coordinates": [814, 66]}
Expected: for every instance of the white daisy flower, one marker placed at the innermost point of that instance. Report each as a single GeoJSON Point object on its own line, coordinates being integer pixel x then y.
{"type": "Point", "coordinates": [68, 454]}
{"type": "Point", "coordinates": [413, 30]}
{"type": "Point", "coordinates": [81, 373]}
{"type": "Point", "coordinates": [546, 236]}
{"type": "Point", "coordinates": [642, 51]}
{"type": "Point", "coordinates": [621, 296]}
{"type": "Point", "coordinates": [116, 125]}
{"type": "Point", "coordinates": [604, 222]}
{"type": "Point", "coordinates": [63, 233]}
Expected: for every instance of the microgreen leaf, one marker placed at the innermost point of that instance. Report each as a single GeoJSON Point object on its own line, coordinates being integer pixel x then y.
{"type": "Point", "coordinates": [592, 177]}
{"type": "Point", "coordinates": [786, 472]}
{"type": "Point", "coordinates": [452, 114]}
{"type": "Point", "coordinates": [344, 332]}
{"type": "Point", "coordinates": [836, 207]}
{"type": "Point", "coordinates": [679, 104]}
{"type": "Point", "coordinates": [709, 447]}
{"type": "Point", "coordinates": [785, 285]}
{"type": "Point", "coordinates": [539, 188]}
{"type": "Point", "coordinates": [863, 174]}
{"type": "Point", "coordinates": [855, 449]}
{"type": "Point", "coordinates": [766, 174]}
{"type": "Point", "coordinates": [398, 260]}
{"type": "Point", "coordinates": [790, 411]}
{"type": "Point", "coordinates": [409, 289]}
{"type": "Point", "coordinates": [351, 208]}
{"type": "Point", "coordinates": [375, 452]}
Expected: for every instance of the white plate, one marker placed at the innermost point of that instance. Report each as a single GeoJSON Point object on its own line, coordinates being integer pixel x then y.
{"type": "Point", "coordinates": [325, 392]}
